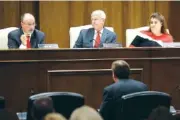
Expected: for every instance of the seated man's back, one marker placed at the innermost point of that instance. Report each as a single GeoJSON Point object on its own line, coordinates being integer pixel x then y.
{"type": "Point", "coordinates": [122, 86]}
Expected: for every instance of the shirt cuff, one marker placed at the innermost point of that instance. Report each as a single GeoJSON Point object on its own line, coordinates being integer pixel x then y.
{"type": "Point", "coordinates": [22, 46]}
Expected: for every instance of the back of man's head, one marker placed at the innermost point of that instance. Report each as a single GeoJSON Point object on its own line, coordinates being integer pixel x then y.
{"type": "Point", "coordinates": [120, 69]}
{"type": "Point", "coordinates": [41, 107]}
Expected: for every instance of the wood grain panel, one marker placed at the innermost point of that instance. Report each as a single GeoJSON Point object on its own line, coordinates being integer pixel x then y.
{"type": "Point", "coordinates": [56, 17]}
{"type": "Point", "coordinates": [11, 14]}
{"type": "Point", "coordinates": [89, 83]}
{"type": "Point", "coordinates": [174, 19]}
{"type": "Point", "coordinates": [54, 21]}
{"type": "Point", "coordinates": [26, 71]}
{"type": "Point", "coordinates": [77, 12]}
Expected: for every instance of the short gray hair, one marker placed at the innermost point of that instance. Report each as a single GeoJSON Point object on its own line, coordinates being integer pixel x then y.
{"type": "Point", "coordinates": [99, 13]}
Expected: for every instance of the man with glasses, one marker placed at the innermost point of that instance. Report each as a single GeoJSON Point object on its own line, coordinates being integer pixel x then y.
{"type": "Point", "coordinates": [26, 36]}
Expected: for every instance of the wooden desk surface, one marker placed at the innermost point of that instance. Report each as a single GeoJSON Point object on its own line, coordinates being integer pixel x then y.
{"type": "Point", "coordinates": [86, 71]}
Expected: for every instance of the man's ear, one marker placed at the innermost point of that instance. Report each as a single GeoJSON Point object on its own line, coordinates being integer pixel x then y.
{"type": "Point", "coordinates": [114, 77]}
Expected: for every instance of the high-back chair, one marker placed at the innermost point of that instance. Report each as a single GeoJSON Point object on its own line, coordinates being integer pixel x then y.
{"type": "Point", "coordinates": [138, 106]}
{"type": "Point", "coordinates": [64, 102]}
{"type": "Point", "coordinates": [2, 102]}
{"type": "Point", "coordinates": [4, 37]}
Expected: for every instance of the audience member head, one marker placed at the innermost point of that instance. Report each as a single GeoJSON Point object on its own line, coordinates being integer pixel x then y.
{"type": "Point", "coordinates": [28, 23]}
{"type": "Point", "coordinates": [157, 24]}
{"type": "Point", "coordinates": [161, 113]}
{"type": "Point", "coordinates": [54, 116]}
{"type": "Point", "coordinates": [85, 113]}
{"type": "Point", "coordinates": [42, 107]}
{"type": "Point", "coordinates": [120, 70]}
{"type": "Point", "coordinates": [98, 19]}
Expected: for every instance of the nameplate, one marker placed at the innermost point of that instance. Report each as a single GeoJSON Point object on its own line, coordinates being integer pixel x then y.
{"type": "Point", "coordinates": [173, 44]}
{"type": "Point", "coordinates": [48, 46]}
{"type": "Point", "coordinates": [112, 45]}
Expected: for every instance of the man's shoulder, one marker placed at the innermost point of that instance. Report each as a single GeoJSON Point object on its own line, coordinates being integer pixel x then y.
{"type": "Point", "coordinates": [15, 32]}
{"type": "Point", "coordinates": [39, 32]}
{"type": "Point", "coordinates": [109, 31]}
{"type": "Point", "coordinates": [121, 83]}
{"type": "Point", "coordinates": [87, 30]}
{"type": "Point", "coordinates": [112, 86]}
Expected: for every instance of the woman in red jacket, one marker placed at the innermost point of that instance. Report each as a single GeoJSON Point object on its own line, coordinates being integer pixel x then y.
{"type": "Point", "coordinates": [156, 34]}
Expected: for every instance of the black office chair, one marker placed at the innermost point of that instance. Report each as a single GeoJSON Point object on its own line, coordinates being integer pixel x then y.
{"type": "Point", "coordinates": [64, 102]}
{"type": "Point", "coordinates": [138, 106]}
{"type": "Point", "coordinates": [7, 115]}
{"type": "Point", "coordinates": [2, 102]}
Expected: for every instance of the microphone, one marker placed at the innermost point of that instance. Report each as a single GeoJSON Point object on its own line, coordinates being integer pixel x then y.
{"type": "Point", "coordinates": [92, 40]}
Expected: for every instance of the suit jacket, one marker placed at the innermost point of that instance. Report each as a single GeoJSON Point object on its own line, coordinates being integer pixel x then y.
{"type": "Point", "coordinates": [114, 92]}
{"type": "Point", "coordinates": [86, 38]}
{"type": "Point", "coordinates": [14, 41]}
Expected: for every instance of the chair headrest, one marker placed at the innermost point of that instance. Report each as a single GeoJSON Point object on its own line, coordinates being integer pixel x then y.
{"type": "Point", "coordinates": [51, 94]}
{"type": "Point", "coordinates": [145, 93]}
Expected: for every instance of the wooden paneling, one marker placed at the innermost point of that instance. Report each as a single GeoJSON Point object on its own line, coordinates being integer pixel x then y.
{"type": "Point", "coordinates": [56, 17]}
{"type": "Point", "coordinates": [54, 21]}
{"type": "Point", "coordinates": [174, 19]}
{"type": "Point", "coordinates": [92, 82]}
{"type": "Point", "coordinates": [27, 71]}
{"type": "Point", "coordinates": [11, 11]}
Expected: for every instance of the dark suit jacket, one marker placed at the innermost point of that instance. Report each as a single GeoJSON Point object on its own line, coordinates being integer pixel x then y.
{"type": "Point", "coordinates": [14, 41]}
{"type": "Point", "coordinates": [86, 38]}
{"type": "Point", "coordinates": [115, 92]}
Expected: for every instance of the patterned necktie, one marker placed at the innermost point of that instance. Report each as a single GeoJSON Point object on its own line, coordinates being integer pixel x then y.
{"type": "Point", "coordinates": [98, 40]}
{"type": "Point", "coordinates": [28, 42]}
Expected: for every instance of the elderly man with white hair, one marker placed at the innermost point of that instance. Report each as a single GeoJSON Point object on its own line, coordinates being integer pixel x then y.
{"type": "Point", "coordinates": [96, 36]}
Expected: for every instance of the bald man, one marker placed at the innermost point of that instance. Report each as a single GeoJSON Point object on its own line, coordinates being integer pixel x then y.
{"type": "Point", "coordinates": [26, 36]}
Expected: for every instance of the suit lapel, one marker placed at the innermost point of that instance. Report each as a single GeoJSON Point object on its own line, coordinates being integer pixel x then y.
{"type": "Point", "coordinates": [103, 37]}
{"type": "Point", "coordinates": [19, 37]}
{"type": "Point", "coordinates": [33, 40]}
{"type": "Point", "coordinates": [90, 36]}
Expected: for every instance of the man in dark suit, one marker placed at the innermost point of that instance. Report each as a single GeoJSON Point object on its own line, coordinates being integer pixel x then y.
{"type": "Point", "coordinates": [26, 36]}
{"type": "Point", "coordinates": [96, 36]}
{"type": "Point", "coordinates": [122, 86]}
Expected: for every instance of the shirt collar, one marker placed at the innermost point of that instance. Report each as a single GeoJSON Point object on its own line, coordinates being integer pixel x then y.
{"type": "Point", "coordinates": [26, 33]}
{"type": "Point", "coordinates": [101, 31]}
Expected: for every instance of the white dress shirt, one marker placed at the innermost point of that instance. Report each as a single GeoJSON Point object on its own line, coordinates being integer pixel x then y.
{"type": "Point", "coordinates": [24, 46]}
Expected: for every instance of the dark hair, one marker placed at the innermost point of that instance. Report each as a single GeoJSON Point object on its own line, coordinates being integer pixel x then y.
{"type": "Point", "coordinates": [161, 18]}
{"type": "Point", "coordinates": [42, 107]}
{"type": "Point", "coordinates": [161, 113]}
{"type": "Point", "coordinates": [121, 69]}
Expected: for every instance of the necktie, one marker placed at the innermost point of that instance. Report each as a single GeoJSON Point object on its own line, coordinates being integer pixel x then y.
{"type": "Point", "coordinates": [28, 42]}
{"type": "Point", "coordinates": [98, 40]}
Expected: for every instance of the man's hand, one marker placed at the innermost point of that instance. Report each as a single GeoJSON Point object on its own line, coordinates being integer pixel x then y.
{"type": "Point", "coordinates": [24, 39]}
